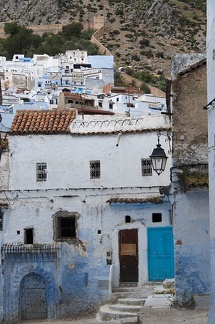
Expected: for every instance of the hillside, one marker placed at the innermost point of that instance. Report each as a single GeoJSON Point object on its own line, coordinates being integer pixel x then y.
{"type": "Point", "coordinates": [143, 34]}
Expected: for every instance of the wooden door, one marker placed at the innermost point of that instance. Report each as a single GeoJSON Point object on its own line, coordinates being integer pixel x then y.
{"type": "Point", "coordinates": [128, 255]}
{"type": "Point", "coordinates": [33, 297]}
{"type": "Point", "coordinates": [160, 253]}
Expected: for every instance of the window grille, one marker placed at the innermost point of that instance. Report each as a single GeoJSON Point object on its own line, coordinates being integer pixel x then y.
{"type": "Point", "coordinates": [66, 228]}
{"type": "Point", "coordinates": [95, 171]}
{"type": "Point", "coordinates": [146, 167]}
{"type": "Point", "coordinates": [41, 171]}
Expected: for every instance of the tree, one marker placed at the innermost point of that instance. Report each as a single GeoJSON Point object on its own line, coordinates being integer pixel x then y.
{"type": "Point", "coordinates": [73, 29]}
{"type": "Point", "coordinates": [19, 40]}
{"type": "Point", "coordinates": [11, 28]}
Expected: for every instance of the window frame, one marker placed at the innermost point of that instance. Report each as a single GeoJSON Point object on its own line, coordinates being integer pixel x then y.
{"type": "Point", "coordinates": [58, 218]}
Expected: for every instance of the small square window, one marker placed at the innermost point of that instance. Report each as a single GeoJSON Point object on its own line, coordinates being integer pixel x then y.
{"type": "Point", "coordinates": [41, 171]}
{"type": "Point", "coordinates": [146, 165]}
{"type": "Point", "coordinates": [156, 217]}
{"type": "Point", "coordinates": [95, 171]}
{"type": "Point", "coordinates": [66, 228]}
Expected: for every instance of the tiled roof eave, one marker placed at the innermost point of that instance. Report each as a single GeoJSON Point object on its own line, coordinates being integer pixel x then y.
{"type": "Point", "coordinates": [127, 131]}
{"type": "Point", "coordinates": [154, 200]}
{"type": "Point", "coordinates": [38, 133]}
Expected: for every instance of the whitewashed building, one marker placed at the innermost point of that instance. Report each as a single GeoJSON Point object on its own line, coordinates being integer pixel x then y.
{"type": "Point", "coordinates": [211, 136]}
{"type": "Point", "coordinates": [85, 212]}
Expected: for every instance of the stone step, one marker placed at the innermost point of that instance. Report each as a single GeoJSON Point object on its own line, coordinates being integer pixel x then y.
{"type": "Point", "coordinates": [107, 314]}
{"type": "Point", "coordinates": [126, 294]}
{"type": "Point", "coordinates": [130, 320]}
{"type": "Point", "coordinates": [128, 284]}
{"type": "Point", "coordinates": [125, 308]}
{"type": "Point", "coordinates": [132, 301]}
{"type": "Point", "coordinates": [131, 289]}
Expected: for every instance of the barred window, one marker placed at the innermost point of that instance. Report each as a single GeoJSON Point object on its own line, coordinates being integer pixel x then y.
{"type": "Point", "coordinates": [95, 171]}
{"type": "Point", "coordinates": [66, 228]}
{"type": "Point", "coordinates": [146, 167]}
{"type": "Point", "coordinates": [41, 171]}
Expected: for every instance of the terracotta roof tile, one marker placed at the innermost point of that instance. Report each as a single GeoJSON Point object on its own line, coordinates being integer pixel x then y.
{"type": "Point", "coordinates": [42, 122]}
{"type": "Point", "coordinates": [154, 200]}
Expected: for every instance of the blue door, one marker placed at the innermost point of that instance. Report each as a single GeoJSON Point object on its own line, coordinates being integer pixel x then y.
{"type": "Point", "coordinates": [160, 253]}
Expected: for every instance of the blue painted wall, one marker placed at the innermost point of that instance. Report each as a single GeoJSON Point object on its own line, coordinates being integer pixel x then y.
{"type": "Point", "coordinates": [71, 281]}
{"type": "Point", "coordinates": [191, 236]}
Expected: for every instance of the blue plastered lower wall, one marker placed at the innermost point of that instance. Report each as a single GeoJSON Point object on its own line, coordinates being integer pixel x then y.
{"type": "Point", "coordinates": [69, 278]}
{"type": "Point", "coordinates": [191, 244]}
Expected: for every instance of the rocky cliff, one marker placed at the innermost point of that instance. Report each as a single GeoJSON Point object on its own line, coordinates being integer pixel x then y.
{"type": "Point", "coordinates": [143, 34]}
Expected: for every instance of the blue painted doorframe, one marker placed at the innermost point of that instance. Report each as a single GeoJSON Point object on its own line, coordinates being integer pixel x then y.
{"type": "Point", "coordinates": [160, 253]}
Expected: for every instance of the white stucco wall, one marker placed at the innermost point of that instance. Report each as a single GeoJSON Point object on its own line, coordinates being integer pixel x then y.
{"type": "Point", "coordinates": [211, 134]}
{"type": "Point", "coordinates": [4, 174]}
{"type": "Point", "coordinates": [69, 187]}
{"type": "Point", "coordinates": [68, 161]}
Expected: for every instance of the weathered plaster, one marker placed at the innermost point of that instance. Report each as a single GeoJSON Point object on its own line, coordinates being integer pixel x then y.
{"type": "Point", "coordinates": [190, 154]}
{"type": "Point", "coordinates": [191, 236]}
{"type": "Point", "coordinates": [190, 131]}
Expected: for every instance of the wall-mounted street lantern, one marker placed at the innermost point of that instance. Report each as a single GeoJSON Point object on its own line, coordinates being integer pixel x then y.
{"type": "Point", "coordinates": [158, 156]}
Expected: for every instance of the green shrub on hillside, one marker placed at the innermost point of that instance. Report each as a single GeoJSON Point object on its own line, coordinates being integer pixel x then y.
{"type": "Point", "coordinates": [22, 40]}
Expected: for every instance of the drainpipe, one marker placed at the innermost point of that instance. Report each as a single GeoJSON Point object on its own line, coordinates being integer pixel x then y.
{"type": "Point", "coordinates": [118, 138]}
